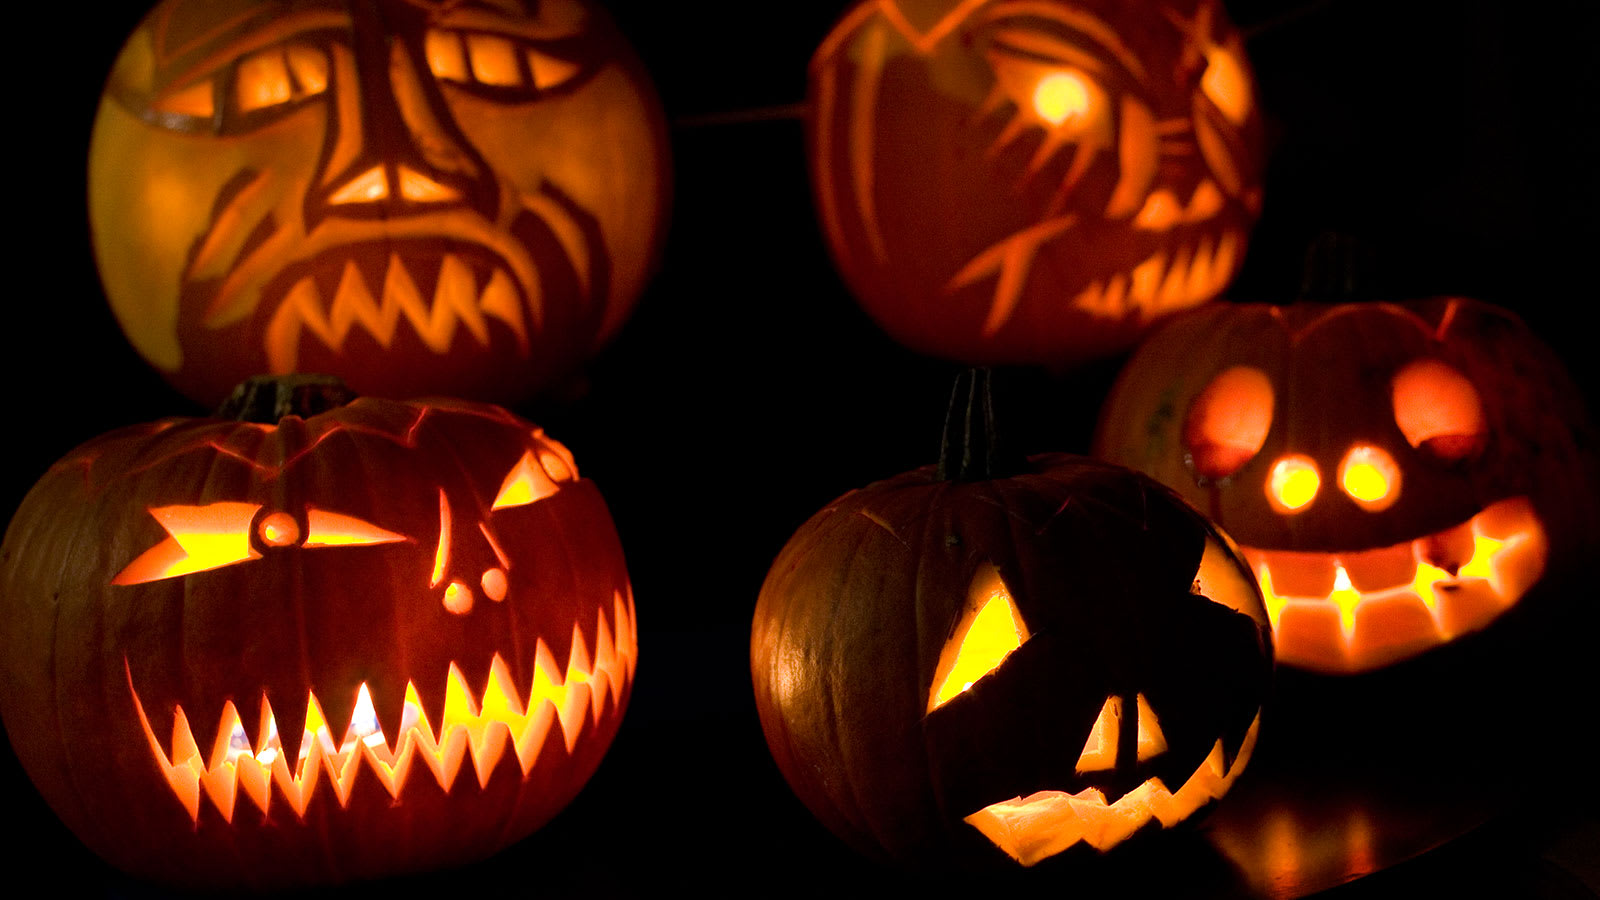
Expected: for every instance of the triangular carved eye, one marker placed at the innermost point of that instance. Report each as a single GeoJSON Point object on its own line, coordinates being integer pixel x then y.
{"type": "Point", "coordinates": [1100, 750]}
{"type": "Point", "coordinates": [990, 628]}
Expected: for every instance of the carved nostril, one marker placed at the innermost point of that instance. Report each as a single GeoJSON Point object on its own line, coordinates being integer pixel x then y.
{"type": "Point", "coordinates": [458, 598]}
{"type": "Point", "coordinates": [1370, 477]}
{"type": "Point", "coordinates": [494, 584]}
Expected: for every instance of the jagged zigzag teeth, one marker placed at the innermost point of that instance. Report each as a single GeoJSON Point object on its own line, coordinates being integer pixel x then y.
{"type": "Point", "coordinates": [472, 725]}
{"type": "Point", "coordinates": [457, 299]}
{"type": "Point", "coordinates": [1033, 828]}
{"type": "Point", "coordinates": [1195, 274]}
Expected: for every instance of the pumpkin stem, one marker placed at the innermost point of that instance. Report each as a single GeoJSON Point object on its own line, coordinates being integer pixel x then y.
{"type": "Point", "coordinates": [971, 449]}
{"type": "Point", "coordinates": [265, 399]}
{"type": "Point", "coordinates": [1338, 269]}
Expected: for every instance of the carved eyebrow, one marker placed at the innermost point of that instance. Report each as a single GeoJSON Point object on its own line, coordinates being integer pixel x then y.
{"type": "Point", "coordinates": [1086, 24]}
{"type": "Point", "coordinates": [554, 21]}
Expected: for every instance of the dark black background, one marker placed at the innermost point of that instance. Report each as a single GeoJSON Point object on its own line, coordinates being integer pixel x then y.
{"type": "Point", "coordinates": [1457, 138]}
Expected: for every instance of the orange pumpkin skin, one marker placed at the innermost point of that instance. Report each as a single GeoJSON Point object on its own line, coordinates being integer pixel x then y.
{"type": "Point", "coordinates": [1020, 182]}
{"type": "Point", "coordinates": [1125, 593]}
{"type": "Point", "coordinates": [423, 198]}
{"type": "Point", "coordinates": [1474, 421]}
{"type": "Point", "coordinates": [342, 577]}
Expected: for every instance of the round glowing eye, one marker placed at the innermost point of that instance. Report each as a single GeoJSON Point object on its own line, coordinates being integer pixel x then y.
{"type": "Point", "coordinates": [1061, 96]}
{"type": "Point", "coordinates": [1293, 483]}
{"type": "Point", "coordinates": [279, 530]}
{"type": "Point", "coordinates": [1439, 411]}
{"type": "Point", "coordinates": [1370, 477]}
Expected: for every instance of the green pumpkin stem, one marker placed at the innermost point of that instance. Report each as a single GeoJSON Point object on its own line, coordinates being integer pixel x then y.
{"type": "Point", "coordinates": [971, 449]}
{"type": "Point", "coordinates": [265, 399]}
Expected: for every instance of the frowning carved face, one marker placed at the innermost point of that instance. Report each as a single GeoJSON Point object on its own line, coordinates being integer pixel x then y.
{"type": "Point", "coordinates": [387, 637]}
{"type": "Point", "coordinates": [995, 673]}
{"type": "Point", "coordinates": [454, 197]}
{"type": "Point", "coordinates": [1394, 472]}
{"type": "Point", "coordinates": [1010, 181]}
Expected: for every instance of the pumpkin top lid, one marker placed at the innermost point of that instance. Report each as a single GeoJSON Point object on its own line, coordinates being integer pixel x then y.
{"type": "Point", "coordinates": [265, 399]}
{"type": "Point", "coordinates": [971, 448]}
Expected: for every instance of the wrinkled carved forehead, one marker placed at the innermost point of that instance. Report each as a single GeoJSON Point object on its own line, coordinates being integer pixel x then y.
{"type": "Point", "coordinates": [184, 39]}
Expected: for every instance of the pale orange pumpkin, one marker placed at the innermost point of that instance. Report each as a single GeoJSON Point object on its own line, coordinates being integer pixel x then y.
{"type": "Point", "coordinates": [422, 197]}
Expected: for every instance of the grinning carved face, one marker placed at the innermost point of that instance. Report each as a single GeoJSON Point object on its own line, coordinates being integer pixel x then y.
{"type": "Point", "coordinates": [1384, 467]}
{"type": "Point", "coordinates": [1077, 658]}
{"type": "Point", "coordinates": [425, 196]}
{"type": "Point", "coordinates": [317, 636]}
{"type": "Point", "coordinates": [1011, 181]}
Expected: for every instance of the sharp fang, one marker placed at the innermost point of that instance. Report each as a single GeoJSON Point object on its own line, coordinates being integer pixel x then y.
{"type": "Point", "coordinates": [302, 303]}
{"type": "Point", "coordinates": [1090, 299]}
{"type": "Point", "coordinates": [457, 293]}
{"type": "Point", "coordinates": [499, 301]}
{"type": "Point", "coordinates": [1202, 278]}
{"type": "Point", "coordinates": [1147, 279]}
{"type": "Point", "coordinates": [1113, 299]}
{"type": "Point", "coordinates": [1176, 282]}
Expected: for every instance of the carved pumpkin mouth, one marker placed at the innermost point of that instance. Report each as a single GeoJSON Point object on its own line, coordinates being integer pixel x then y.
{"type": "Point", "coordinates": [1358, 610]}
{"type": "Point", "coordinates": [475, 722]}
{"type": "Point", "coordinates": [1033, 828]}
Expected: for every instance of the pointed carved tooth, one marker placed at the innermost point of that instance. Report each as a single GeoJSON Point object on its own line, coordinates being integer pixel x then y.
{"type": "Point", "coordinates": [435, 325]}
{"type": "Point", "coordinates": [1160, 212]}
{"type": "Point", "coordinates": [500, 301]}
{"type": "Point", "coordinates": [1204, 203]}
{"type": "Point", "coordinates": [458, 293]}
{"type": "Point", "coordinates": [1147, 279]}
{"type": "Point", "coordinates": [1176, 282]}
{"type": "Point", "coordinates": [1088, 299]}
{"type": "Point", "coordinates": [1223, 263]}
{"type": "Point", "coordinates": [353, 303]}
{"type": "Point", "coordinates": [1112, 301]}
{"type": "Point", "coordinates": [301, 306]}
{"type": "Point", "coordinates": [1201, 280]}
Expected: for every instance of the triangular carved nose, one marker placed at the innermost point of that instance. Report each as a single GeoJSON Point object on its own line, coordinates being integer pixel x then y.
{"type": "Point", "coordinates": [378, 184]}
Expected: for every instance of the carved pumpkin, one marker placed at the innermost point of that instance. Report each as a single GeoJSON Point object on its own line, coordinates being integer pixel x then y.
{"type": "Point", "coordinates": [383, 637]}
{"type": "Point", "coordinates": [1391, 470]}
{"type": "Point", "coordinates": [997, 671]}
{"type": "Point", "coordinates": [423, 197]}
{"type": "Point", "coordinates": [1010, 181]}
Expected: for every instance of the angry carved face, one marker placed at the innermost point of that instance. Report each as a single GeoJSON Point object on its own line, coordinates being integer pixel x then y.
{"type": "Point", "coordinates": [454, 197]}
{"type": "Point", "coordinates": [1008, 669]}
{"type": "Point", "coordinates": [1005, 181]}
{"type": "Point", "coordinates": [314, 627]}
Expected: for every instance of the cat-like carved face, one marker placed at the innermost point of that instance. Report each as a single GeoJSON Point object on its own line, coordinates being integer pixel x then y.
{"type": "Point", "coordinates": [1033, 181]}
{"type": "Point", "coordinates": [324, 630]}
{"type": "Point", "coordinates": [422, 196]}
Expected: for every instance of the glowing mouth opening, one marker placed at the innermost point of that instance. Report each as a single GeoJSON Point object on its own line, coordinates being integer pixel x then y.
{"type": "Point", "coordinates": [1033, 828]}
{"type": "Point", "coordinates": [1350, 612]}
{"type": "Point", "coordinates": [475, 723]}
{"type": "Point", "coordinates": [1162, 282]}
{"type": "Point", "coordinates": [459, 299]}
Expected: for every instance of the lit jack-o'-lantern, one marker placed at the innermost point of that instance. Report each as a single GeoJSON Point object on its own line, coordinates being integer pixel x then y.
{"type": "Point", "coordinates": [1392, 471]}
{"type": "Point", "coordinates": [431, 197]}
{"type": "Point", "coordinates": [383, 637]}
{"type": "Point", "coordinates": [1018, 181]}
{"type": "Point", "coordinates": [998, 671]}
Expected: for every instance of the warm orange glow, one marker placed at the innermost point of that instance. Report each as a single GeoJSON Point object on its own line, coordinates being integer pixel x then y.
{"type": "Point", "coordinates": [1033, 828]}
{"type": "Point", "coordinates": [494, 584]}
{"type": "Point", "coordinates": [441, 553]}
{"type": "Point", "coordinates": [201, 538]}
{"type": "Point", "coordinates": [474, 724]}
{"type": "Point", "coordinates": [1437, 407]}
{"type": "Point", "coordinates": [990, 628]}
{"type": "Point", "coordinates": [368, 187]}
{"type": "Point", "coordinates": [1349, 612]}
{"type": "Point", "coordinates": [458, 598]}
{"type": "Point", "coordinates": [494, 60]}
{"type": "Point", "coordinates": [1370, 477]}
{"type": "Point", "coordinates": [1229, 421]}
{"type": "Point", "coordinates": [419, 188]}
{"type": "Point", "coordinates": [1061, 96]}
{"type": "Point", "coordinates": [550, 71]}
{"type": "Point", "coordinates": [447, 59]}
{"type": "Point", "coordinates": [1293, 483]}
{"type": "Point", "coordinates": [262, 80]}
{"type": "Point", "coordinates": [329, 529]}
{"type": "Point", "coordinates": [1226, 84]}
{"type": "Point", "coordinates": [1151, 741]}
{"type": "Point", "coordinates": [279, 530]}
{"type": "Point", "coordinates": [529, 481]}
{"type": "Point", "coordinates": [197, 100]}
{"type": "Point", "coordinates": [1100, 750]}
